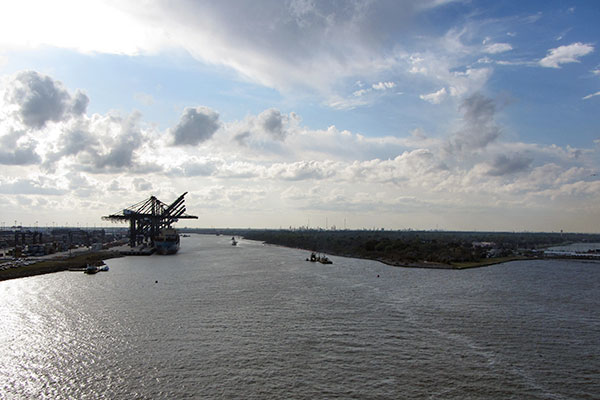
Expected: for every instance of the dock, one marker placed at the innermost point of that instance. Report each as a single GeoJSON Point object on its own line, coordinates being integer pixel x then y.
{"type": "Point", "coordinates": [136, 250]}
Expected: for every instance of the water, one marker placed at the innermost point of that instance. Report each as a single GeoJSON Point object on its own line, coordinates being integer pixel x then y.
{"type": "Point", "coordinates": [256, 322]}
{"type": "Point", "coordinates": [576, 247]}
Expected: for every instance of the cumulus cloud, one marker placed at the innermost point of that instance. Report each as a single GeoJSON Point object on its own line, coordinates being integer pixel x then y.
{"type": "Point", "coordinates": [120, 154]}
{"type": "Point", "coordinates": [435, 97]}
{"type": "Point", "coordinates": [21, 156]}
{"type": "Point", "coordinates": [40, 99]}
{"type": "Point", "coordinates": [302, 170]}
{"type": "Point", "coordinates": [241, 137]}
{"type": "Point", "coordinates": [74, 139]}
{"type": "Point", "coordinates": [266, 132]}
{"type": "Point", "coordinates": [196, 167]}
{"type": "Point", "coordinates": [17, 149]}
{"type": "Point", "coordinates": [101, 144]}
{"type": "Point", "coordinates": [115, 186]}
{"type": "Point", "coordinates": [80, 185]}
{"type": "Point", "coordinates": [271, 121]}
{"type": "Point", "coordinates": [196, 125]}
{"type": "Point", "coordinates": [42, 123]}
{"type": "Point", "coordinates": [142, 185]}
{"type": "Point", "coordinates": [566, 54]}
{"type": "Point", "coordinates": [506, 165]}
{"type": "Point", "coordinates": [479, 128]}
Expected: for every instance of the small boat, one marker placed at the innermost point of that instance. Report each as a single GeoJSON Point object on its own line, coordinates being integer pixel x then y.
{"type": "Point", "coordinates": [325, 260]}
{"type": "Point", "coordinates": [319, 258]}
{"type": "Point", "coordinates": [233, 241]}
{"type": "Point", "coordinates": [91, 269]}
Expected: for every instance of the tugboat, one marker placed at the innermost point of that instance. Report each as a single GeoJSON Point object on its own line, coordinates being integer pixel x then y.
{"type": "Point", "coordinates": [319, 258]}
{"type": "Point", "coordinates": [167, 241]}
{"type": "Point", "coordinates": [325, 260]}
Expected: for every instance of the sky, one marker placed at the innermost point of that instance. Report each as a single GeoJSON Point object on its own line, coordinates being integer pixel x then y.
{"type": "Point", "coordinates": [394, 114]}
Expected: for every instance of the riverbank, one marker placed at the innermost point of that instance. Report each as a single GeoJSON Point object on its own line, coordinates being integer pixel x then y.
{"type": "Point", "coordinates": [58, 264]}
{"type": "Point", "coordinates": [435, 265]}
{"type": "Point", "coordinates": [427, 250]}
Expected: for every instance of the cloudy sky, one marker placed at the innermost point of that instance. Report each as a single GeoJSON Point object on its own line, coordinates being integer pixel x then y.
{"type": "Point", "coordinates": [422, 114]}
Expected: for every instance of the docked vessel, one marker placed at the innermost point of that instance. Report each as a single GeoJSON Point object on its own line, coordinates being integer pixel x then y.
{"type": "Point", "coordinates": [91, 269]}
{"type": "Point", "coordinates": [167, 241]}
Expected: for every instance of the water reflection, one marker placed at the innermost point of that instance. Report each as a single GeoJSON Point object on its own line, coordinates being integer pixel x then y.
{"type": "Point", "coordinates": [255, 321]}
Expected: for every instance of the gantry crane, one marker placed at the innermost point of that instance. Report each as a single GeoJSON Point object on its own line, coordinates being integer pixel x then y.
{"type": "Point", "coordinates": [148, 217]}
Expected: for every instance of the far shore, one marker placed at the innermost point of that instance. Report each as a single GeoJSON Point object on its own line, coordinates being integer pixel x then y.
{"type": "Point", "coordinates": [457, 265]}
{"type": "Point", "coordinates": [431, 265]}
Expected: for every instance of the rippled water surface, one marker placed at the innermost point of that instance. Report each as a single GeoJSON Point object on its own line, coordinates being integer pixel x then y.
{"type": "Point", "coordinates": [255, 322]}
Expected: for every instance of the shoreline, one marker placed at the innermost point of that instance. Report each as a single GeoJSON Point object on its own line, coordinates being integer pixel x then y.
{"type": "Point", "coordinates": [418, 264]}
{"type": "Point", "coordinates": [428, 264]}
{"type": "Point", "coordinates": [458, 266]}
{"type": "Point", "coordinates": [58, 264]}
{"type": "Point", "coordinates": [63, 263]}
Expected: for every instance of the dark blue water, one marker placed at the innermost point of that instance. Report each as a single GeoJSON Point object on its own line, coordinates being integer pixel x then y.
{"type": "Point", "coordinates": [257, 322]}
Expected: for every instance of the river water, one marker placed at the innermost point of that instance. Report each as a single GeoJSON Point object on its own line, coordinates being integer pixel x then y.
{"type": "Point", "coordinates": [257, 322]}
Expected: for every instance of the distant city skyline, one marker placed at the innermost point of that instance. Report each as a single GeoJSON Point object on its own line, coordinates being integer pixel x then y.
{"type": "Point", "coordinates": [416, 114]}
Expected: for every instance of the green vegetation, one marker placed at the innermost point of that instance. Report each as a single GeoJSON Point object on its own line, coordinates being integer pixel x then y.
{"type": "Point", "coordinates": [427, 249]}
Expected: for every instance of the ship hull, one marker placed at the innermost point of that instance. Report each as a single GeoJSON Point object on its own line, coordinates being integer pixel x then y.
{"type": "Point", "coordinates": [166, 247]}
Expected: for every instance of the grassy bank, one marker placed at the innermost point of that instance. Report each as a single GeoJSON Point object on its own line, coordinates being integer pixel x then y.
{"type": "Point", "coordinates": [57, 265]}
{"type": "Point", "coordinates": [436, 265]}
{"type": "Point", "coordinates": [486, 262]}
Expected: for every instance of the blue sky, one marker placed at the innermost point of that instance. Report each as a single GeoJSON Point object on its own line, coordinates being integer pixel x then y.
{"type": "Point", "coordinates": [397, 114]}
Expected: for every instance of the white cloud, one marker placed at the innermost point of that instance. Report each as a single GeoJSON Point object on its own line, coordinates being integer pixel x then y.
{"type": "Point", "coordinates": [16, 148]}
{"type": "Point", "coordinates": [361, 92]}
{"type": "Point", "coordinates": [435, 97]}
{"type": "Point", "coordinates": [295, 46]}
{"type": "Point", "coordinates": [39, 99]}
{"type": "Point", "coordinates": [269, 161]}
{"type": "Point", "coordinates": [566, 54]}
{"type": "Point", "coordinates": [496, 48]}
{"type": "Point", "coordinates": [589, 96]}
{"type": "Point", "coordinates": [384, 85]}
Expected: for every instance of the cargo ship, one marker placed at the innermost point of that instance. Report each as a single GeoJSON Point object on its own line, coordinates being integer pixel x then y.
{"type": "Point", "coordinates": [167, 241]}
